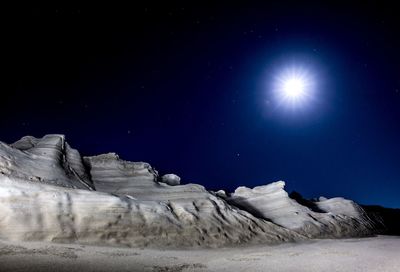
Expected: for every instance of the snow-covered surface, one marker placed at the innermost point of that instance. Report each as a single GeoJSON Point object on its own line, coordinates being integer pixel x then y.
{"type": "Point", "coordinates": [347, 255]}
{"type": "Point", "coordinates": [48, 192]}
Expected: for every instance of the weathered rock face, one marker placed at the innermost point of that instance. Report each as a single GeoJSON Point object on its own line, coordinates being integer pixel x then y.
{"type": "Point", "coordinates": [48, 192]}
{"type": "Point", "coordinates": [34, 211]}
{"type": "Point", "coordinates": [128, 207]}
{"type": "Point", "coordinates": [110, 174]}
{"type": "Point", "coordinates": [336, 217]}
{"type": "Point", "coordinates": [137, 179]}
{"type": "Point", "coordinates": [48, 160]}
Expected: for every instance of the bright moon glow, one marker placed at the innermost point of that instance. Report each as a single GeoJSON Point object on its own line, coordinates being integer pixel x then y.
{"type": "Point", "coordinates": [294, 87]}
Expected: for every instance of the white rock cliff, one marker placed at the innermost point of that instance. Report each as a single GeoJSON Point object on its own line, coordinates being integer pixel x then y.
{"type": "Point", "coordinates": [49, 192]}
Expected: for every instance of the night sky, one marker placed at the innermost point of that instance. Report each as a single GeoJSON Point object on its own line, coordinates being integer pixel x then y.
{"type": "Point", "coordinates": [189, 89]}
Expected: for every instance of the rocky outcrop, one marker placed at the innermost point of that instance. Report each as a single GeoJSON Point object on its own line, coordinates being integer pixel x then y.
{"type": "Point", "coordinates": [48, 160]}
{"type": "Point", "coordinates": [49, 213]}
{"type": "Point", "coordinates": [49, 192]}
{"type": "Point", "coordinates": [129, 206]}
{"type": "Point", "coordinates": [335, 217]}
{"type": "Point", "coordinates": [110, 174]}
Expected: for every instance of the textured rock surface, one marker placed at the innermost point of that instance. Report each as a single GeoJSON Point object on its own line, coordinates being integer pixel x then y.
{"type": "Point", "coordinates": [112, 175]}
{"type": "Point", "coordinates": [336, 217]}
{"type": "Point", "coordinates": [49, 213]}
{"type": "Point", "coordinates": [386, 220]}
{"type": "Point", "coordinates": [171, 179]}
{"type": "Point", "coordinates": [49, 160]}
{"type": "Point", "coordinates": [130, 207]}
{"type": "Point", "coordinates": [48, 192]}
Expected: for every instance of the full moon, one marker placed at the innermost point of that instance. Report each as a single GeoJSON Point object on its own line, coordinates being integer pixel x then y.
{"type": "Point", "coordinates": [294, 87]}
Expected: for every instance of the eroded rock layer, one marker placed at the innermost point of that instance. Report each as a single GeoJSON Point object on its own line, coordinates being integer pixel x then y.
{"type": "Point", "coordinates": [336, 217]}
{"type": "Point", "coordinates": [50, 213]}
{"type": "Point", "coordinates": [49, 192]}
{"type": "Point", "coordinates": [48, 160]}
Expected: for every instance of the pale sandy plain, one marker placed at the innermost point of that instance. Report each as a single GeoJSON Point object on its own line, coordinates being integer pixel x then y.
{"type": "Point", "coordinates": [380, 253]}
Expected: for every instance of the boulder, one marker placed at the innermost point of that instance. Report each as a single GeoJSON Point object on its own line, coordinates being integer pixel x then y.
{"type": "Point", "coordinates": [171, 179]}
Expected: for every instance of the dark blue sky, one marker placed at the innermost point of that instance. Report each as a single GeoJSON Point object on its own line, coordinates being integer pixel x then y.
{"type": "Point", "coordinates": [188, 89]}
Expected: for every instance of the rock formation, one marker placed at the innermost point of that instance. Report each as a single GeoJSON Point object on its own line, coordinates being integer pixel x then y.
{"type": "Point", "coordinates": [336, 217]}
{"type": "Point", "coordinates": [49, 192]}
{"type": "Point", "coordinates": [47, 160]}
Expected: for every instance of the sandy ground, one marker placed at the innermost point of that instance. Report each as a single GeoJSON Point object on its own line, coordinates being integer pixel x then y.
{"type": "Point", "coordinates": [367, 254]}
